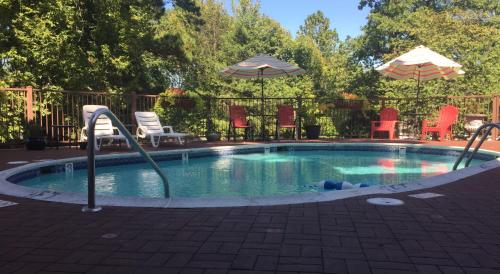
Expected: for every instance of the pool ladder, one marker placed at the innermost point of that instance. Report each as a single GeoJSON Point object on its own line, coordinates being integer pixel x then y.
{"type": "Point", "coordinates": [489, 127]}
{"type": "Point", "coordinates": [91, 207]}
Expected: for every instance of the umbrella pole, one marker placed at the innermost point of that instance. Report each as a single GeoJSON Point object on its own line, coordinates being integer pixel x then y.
{"type": "Point", "coordinates": [417, 122]}
{"type": "Point", "coordinates": [262, 125]}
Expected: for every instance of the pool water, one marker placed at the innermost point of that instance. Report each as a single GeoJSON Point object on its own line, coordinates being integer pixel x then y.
{"type": "Point", "coordinates": [256, 174]}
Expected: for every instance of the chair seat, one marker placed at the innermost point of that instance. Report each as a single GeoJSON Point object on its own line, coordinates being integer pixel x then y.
{"type": "Point", "coordinates": [241, 126]}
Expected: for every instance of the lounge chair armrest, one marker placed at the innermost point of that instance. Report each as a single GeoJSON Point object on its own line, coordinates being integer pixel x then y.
{"type": "Point", "coordinates": [169, 129]}
{"type": "Point", "coordinates": [116, 131]}
{"type": "Point", "coordinates": [83, 134]}
{"type": "Point", "coordinates": [141, 131]}
{"type": "Point", "coordinates": [426, 123]}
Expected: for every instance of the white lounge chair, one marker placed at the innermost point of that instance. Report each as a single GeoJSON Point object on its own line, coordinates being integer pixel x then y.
{"type": "Point", "coordinates": [104, 129]}
{"type": "Point", "coordinates": [149, 125]}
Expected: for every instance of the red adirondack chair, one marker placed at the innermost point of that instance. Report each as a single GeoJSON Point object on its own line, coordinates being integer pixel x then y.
{"type": "Point", "coordinates": [387, 123]}
{"type": "Point", "coordinates": [238, 119]}
{"type": "Point", "coordinates": [447, 117]}
{"type": "Point", "coordinates": [285, 119]}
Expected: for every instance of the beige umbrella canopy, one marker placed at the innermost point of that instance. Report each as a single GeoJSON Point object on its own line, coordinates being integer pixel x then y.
{"type": "Point", "coordinates": [421, 64]}
{"type": "Point", "coordinates": [261, 66]}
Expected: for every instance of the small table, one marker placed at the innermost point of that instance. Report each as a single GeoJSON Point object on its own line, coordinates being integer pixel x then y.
{"type": "Point", "coordinates": [57, 130]}
{"type": "Point", "coordinates": [473, 121]}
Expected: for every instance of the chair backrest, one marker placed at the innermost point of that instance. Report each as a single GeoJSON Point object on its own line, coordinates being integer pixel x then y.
{"type": "Point", "coordinates": [237, 115]}
{"type": "Point", "coordinates": [447, 116]}
{"type": "Point", "coordinates": [388, 114]}
{"type": "Point", "coordinates": [286, 115]}
{"type": "Point", "coordinates": [103, 125]}
{"type": "Point", "coordinates": [149, 120]}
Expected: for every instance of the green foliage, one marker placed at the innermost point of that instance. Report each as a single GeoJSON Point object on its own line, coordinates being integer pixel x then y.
{"type": "Point", "coordinates": [317, 27]}
{"type": "Point", "coordinates": [146, 46]}
{"type": "Point", "coordinates": [184, 112]}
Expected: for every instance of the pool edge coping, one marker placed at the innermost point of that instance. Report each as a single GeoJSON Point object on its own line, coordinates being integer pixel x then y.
{"type": "Point", "coordinates": [11, 189]}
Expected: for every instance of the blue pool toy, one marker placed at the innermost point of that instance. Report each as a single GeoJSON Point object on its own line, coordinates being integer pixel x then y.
{"type": "Point", "coordinates": [336, 185]}
{"type": "Point", "coordinates": [361, 185]}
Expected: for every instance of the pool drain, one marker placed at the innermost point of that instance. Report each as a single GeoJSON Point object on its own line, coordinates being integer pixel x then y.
{"type": "Point", "coordinates": [426, 195]}
{"type": "Point", "coordinates": [385, 201]}
{"type": "Point", "coordinates": [109, 236]}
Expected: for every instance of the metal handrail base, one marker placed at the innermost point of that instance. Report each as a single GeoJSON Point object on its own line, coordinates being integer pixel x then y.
{"type": "Point", "coordinates": [91, 207]}
{"type": "Point", "coordinates": [489, 127]}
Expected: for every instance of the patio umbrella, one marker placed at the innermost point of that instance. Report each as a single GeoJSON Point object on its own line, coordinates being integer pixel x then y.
{"type": "Point", "coordinates": [421, 64]}
{"type": "Point", "coordinates": [261, 66]}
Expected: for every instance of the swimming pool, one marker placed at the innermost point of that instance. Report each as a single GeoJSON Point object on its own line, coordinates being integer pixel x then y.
{"type": "Point", "coordinates": [248, 172]}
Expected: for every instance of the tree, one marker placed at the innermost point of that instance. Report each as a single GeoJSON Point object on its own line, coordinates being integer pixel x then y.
{"type": "Point", "coordinates": [317, 27]}
{"type": "Point", "coordinates": [94, 45]}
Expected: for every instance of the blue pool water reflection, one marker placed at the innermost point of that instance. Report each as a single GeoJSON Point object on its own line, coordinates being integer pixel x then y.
{"type": "Point", "coordinates": [256, 174]}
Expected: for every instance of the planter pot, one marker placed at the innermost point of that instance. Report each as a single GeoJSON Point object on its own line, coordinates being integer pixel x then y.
{"type": "Point", "coordinates": [312, 132]}
{"type": "Point", "coordinates": [212, 136]}
{"type": "Point", "coordinates": [36, 143]}
{"type": "Point", "coordinates": [185, 103]}
{"type": "Point", "coordinates": [83, 145]}
{"type": "Point", "coordinates": [349, 104]}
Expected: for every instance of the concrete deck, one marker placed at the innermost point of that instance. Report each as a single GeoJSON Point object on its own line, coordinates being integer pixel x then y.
{"type": "Point", "coordinates": [455, 233]}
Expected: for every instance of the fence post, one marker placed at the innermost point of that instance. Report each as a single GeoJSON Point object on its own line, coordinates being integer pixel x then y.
{"type": "Point", "coordinates": [494, 116]}
{"type": "Point", "coordinates": [29, 103]}
{"type": "Point", "coordinates": [133, 106]}
{"type": "Point", "coordinates": [299, 122]}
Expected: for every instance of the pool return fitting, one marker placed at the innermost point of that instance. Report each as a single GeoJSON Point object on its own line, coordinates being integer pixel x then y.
{"type": "Point", "coordinates": [91, 207]}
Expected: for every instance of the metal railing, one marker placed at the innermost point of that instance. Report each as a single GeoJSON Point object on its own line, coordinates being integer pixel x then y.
{"type": "Point", "coordinates": [489, 127]}
{"type": "Point", "coordinates": [21, 108]}
{"type": "Point", "coordinates": [91, 207]}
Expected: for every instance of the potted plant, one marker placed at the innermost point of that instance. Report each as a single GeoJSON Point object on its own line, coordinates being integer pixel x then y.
{"type": "Point", "coordinates": [311, 126]}
{"type": "Point", "coordinates": [34, 137]}
{"type": "Point", "coordinates": [183, 117]}
{"type": "Point", "coordinates": [211, 134]}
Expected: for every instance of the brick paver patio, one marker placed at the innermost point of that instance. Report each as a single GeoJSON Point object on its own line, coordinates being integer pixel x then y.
{"type": "Point", "coordinates": [456, 233]}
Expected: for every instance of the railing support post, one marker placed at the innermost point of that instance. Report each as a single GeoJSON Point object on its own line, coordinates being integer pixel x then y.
{"type": "Point", "coordinates": [29, 103]}
{"type": "Point", "coordinates": [133, 106]}
{"type": "Point", "coordinates": [299, 118]}
{"type": "Point", "coordinates": [494, 116]}
{"type": "Point", "coordinates": [91, 166]}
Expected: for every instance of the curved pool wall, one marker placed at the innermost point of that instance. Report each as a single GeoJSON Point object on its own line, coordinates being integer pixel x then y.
{"type": "Point", "coordinates": [10, 177]}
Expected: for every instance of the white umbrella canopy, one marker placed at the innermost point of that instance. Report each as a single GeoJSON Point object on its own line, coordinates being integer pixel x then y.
{"type": "Point", "coordinates": [262, 66]}
{"type": "Point", "coordinates": [421, 64]}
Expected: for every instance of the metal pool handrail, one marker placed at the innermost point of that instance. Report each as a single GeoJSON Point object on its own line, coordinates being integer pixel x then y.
{"type": "Point", "coordinates": [91, 207]}
{"type": "Point", "coordinates": [489, 127]}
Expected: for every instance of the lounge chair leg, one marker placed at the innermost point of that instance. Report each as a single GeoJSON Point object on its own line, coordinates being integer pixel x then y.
{"type": "Point", "coordinates": [155, 143]}
{"type": "Point", "coordinates": [98, 143]}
